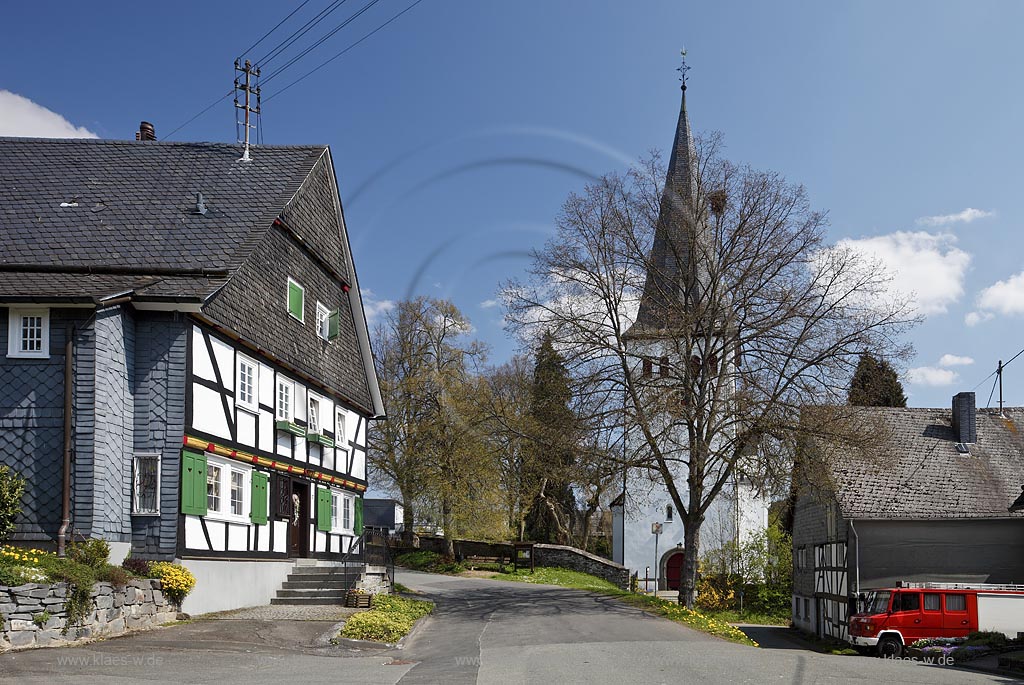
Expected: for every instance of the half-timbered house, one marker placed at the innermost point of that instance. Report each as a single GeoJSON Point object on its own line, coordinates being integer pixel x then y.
{"type": "Point", "coordinates": [932, 503]}
{"type": "Point", "coordinates": [197, 321]}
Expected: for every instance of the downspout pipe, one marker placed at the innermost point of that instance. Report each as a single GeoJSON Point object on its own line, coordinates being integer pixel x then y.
{"type": "Point", "coordinates": [69, 378]}
{"type": "Point", "coordinates": [856, 551]}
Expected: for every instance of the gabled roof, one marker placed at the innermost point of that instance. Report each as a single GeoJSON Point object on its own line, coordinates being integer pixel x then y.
{"type": "Point", "coordinates": [920, 474]}
{"type": "Point", "coordinates": [114, 215]}
{"type": "Point", "coordinates": [94, 221]}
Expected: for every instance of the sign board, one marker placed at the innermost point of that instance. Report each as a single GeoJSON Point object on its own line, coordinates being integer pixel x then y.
{"type": "Point", "coordinates": [656, 528]}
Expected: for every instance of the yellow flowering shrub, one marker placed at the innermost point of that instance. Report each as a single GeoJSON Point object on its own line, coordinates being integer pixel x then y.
{"type": "Point", "coordinates": [177, 580]}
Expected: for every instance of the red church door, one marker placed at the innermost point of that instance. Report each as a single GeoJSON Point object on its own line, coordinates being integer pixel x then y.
{"type": "Point", "coordinates": [674, 570]}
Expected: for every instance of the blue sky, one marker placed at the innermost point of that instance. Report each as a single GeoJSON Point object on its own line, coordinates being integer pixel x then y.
{"type": "Point", "coordinates": [458, 130]}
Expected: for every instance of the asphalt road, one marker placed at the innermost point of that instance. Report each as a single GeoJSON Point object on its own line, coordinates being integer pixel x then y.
{"type": "Point", "coordinates": [483, 631]}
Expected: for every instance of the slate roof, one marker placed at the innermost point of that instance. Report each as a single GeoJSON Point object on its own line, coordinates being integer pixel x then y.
{"type": "Point", "coordinates": [680, 237]}
{"type": "Point", "coordinates": [134, 225]}
{"type": "Point", "coordinates": [919, 474]}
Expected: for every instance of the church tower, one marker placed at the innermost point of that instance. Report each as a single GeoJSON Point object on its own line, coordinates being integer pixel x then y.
{"type": "Point", "coordinates": [680, 344]}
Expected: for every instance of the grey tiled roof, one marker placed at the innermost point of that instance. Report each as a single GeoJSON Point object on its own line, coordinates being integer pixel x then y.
{"type": "Point", "coordinates": [134, 222]}
{"type": "Point", "coordinates": [919, 474]}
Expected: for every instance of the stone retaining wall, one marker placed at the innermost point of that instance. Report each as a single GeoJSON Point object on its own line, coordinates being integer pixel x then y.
{"type": "Point", "coordinates": [578, 560]}
{"type": "Point", "coordinates": [140, 604]}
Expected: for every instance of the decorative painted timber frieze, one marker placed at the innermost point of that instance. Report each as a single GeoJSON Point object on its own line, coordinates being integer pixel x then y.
{"type": "Point", "coordinates": [238, 455]}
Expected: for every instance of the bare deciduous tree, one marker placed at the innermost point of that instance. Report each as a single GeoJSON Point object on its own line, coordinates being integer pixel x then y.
{"type": "Point", "coordinates": [749, 317]}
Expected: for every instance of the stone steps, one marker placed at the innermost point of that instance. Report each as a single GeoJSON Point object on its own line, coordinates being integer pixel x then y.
{"type": "Point", "coordinates": [309, 583]}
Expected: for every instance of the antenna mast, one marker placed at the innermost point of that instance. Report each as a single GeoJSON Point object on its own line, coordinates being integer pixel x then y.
{"type": "Point", "coordinates": [249, 90]}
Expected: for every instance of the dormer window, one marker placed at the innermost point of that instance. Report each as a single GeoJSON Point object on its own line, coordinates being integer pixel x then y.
{"type": "Point", "coordinates": [296, 300]}
{"type": "Point", "coordinates": [28, 333]}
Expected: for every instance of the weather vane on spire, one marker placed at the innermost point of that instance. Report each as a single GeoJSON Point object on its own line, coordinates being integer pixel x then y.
{"type": "Point", "coordinates": [683, 68]}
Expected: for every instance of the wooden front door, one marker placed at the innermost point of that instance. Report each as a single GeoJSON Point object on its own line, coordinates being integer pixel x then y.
{"type": "Point", "coordinates": [298, 529]}
{"type": "Point", "coordinates": [674, 570]}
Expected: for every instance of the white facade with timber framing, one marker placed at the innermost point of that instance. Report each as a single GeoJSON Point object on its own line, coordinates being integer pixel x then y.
{"type": "Point", "coordinates": [204, 322]}
{"type": "Point", "coordinates": [266, 439]}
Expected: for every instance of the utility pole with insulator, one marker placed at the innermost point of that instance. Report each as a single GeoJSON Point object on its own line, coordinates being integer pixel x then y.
{"type": "Point", "coordinates": [251, 94]}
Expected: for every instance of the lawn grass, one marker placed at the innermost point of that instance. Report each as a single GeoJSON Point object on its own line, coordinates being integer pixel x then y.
{"type": "Point", "coordinates": [545, 575]}
{"type": "Point", "coordinates": [389, 619]}
{"type": "Point", "coordinates": [660, 607]}
{"type": "Point", "coordinates": [759, 618]}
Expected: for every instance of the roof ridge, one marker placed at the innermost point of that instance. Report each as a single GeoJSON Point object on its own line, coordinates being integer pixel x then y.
{"type": "Point", "coordinates": [157, 143]}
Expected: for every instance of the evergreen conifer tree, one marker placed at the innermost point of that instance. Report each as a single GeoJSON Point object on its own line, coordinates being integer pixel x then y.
{"type": "Point", "coordinates": [875, 384]}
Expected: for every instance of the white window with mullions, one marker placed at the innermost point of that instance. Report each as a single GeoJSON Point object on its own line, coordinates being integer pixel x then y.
{"type": "Point", "coordinates": [227, 490]}
{"type": "Point", "coordinates": [247, 374]}
{"type": "Point", "coordinates": [285, 399]}
{"type": "Point", "coordinates": [146, 484]}
{"type": "Point", "coordinates": [341, 512]}
{"type": "Point", "coordinates": [28, 333]}
{"type": "Point", "coordinates": [313, 416]}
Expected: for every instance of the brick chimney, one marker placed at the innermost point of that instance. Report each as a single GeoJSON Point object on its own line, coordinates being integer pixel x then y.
{"type": "Point", "coordinates": [145, 132]}
{"type": "Point", "coordinates": [965, 422]}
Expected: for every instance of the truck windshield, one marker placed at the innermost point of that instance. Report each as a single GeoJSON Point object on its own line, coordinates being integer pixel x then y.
{"type": "Point", "coordinates": [877, 602]}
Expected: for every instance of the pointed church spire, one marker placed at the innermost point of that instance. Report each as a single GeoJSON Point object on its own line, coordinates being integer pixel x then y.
{"type": "Point", "coordinates": [679, 238]}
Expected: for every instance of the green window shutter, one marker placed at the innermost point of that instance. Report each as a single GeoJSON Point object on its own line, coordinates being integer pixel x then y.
{"type": "Point", "coordinates": [258, 513]}
{"type": "Point", "coordinates": [332, 325]}
{"type": "Point", "coordinates": [295, 297]}
{"type": "Point", "coordinates": [193, 483]}
{"type": "Point", "coordinates": [323, 509]}
{"type": "Point", "coordinates": [358, 527]}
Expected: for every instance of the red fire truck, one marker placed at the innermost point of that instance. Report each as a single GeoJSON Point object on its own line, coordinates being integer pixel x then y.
{"type": "Point", "coordinates": [893, 618]}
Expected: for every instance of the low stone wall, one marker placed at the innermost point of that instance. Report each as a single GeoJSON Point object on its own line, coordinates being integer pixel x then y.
{"type": "Point", "coordinates": [578, 560]}
{"type": "Point", "coordinates": [140, 604]}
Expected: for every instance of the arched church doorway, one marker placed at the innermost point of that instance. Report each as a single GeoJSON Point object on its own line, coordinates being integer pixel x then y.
{"type": "Point", "coordinates": [674, 569]}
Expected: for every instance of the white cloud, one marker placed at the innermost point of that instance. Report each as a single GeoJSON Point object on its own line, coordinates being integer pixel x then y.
{"type": "Point", "coordinates": [489, 304]}
{"type": "Point", "coordinates": [373, 307]}
{"type": "Point", "coordinates": [955, 360]}
{"type": "Point", "coordinates": [1004, 297]}
{"type": "Point", "coordinates": [21, 117]}
{"type": "Point", "coordinates": [967, 216]}
{"type": "Point", "coordinates": [926, 267]}
{"type": "Point", "coordinates": [974, 318]}
{"type": "Point", "coordinates": [931, 376]}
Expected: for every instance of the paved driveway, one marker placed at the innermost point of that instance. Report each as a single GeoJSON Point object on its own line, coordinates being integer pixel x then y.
{"type": "Point", "coordinates": [482, 632]}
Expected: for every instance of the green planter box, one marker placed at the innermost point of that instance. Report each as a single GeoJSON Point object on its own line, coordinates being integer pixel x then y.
{"type": "Point", "coordinates": [289, 427]}
{"type": "Point", "coordinates": [321, 439]}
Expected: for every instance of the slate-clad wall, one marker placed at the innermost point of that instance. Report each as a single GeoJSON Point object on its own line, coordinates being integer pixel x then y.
{"type": "Point", "coordinates": [980, 551]}
{"type": "Point", "coordinates": [253, 303]}
{"type": "Point", "coordinates": [32, 423]}
{"type": "Point", "coordinates": [161, 342]}
{"type": "Point", "coordinates": [114, 424]}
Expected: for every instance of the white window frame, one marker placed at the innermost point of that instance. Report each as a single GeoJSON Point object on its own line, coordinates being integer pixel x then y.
{"type": "Point", "coordinates": [14, 332]}
{"type": "Point", "coordinates": [223, 512]}
{"type": "Point", "coordinates": [336, 505]}
{"type": "Point", "coordinates": [323, 316]}
{"type": "Point", "coordinates": [339, 429]}
{"type": "Point", "coordinates": [345, 511]}
{"type": "Point", "coordinates": [290, 414]}
{"type": "Point", "coordinates": [314, 426]}
{"type": "Point", "coordinates": [136, 511]}
{"type": "Point", "coordinates": [288, 300]}
{"type": "Point", "coordinates": [253, 405]}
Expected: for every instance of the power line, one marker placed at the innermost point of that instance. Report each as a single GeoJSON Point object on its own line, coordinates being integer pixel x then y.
{"type": "Point", "coordinates": [994, 372]}
{"type": "Point", "coordinates": [323, 38]}
{"type": "Point", "coordinates": [299, 33]}
{"type": "Point", "coordinates": [324, 64]}
{"type": "Point", "coordinates": [988, 404]}
{"type": "Point", "coordinates": [264, 37]}
{"type": "Point", "coordinates": [201, 113]}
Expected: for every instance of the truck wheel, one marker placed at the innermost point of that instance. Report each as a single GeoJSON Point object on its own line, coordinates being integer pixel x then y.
{"type": "Point", "coordinates": [890, 646]}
